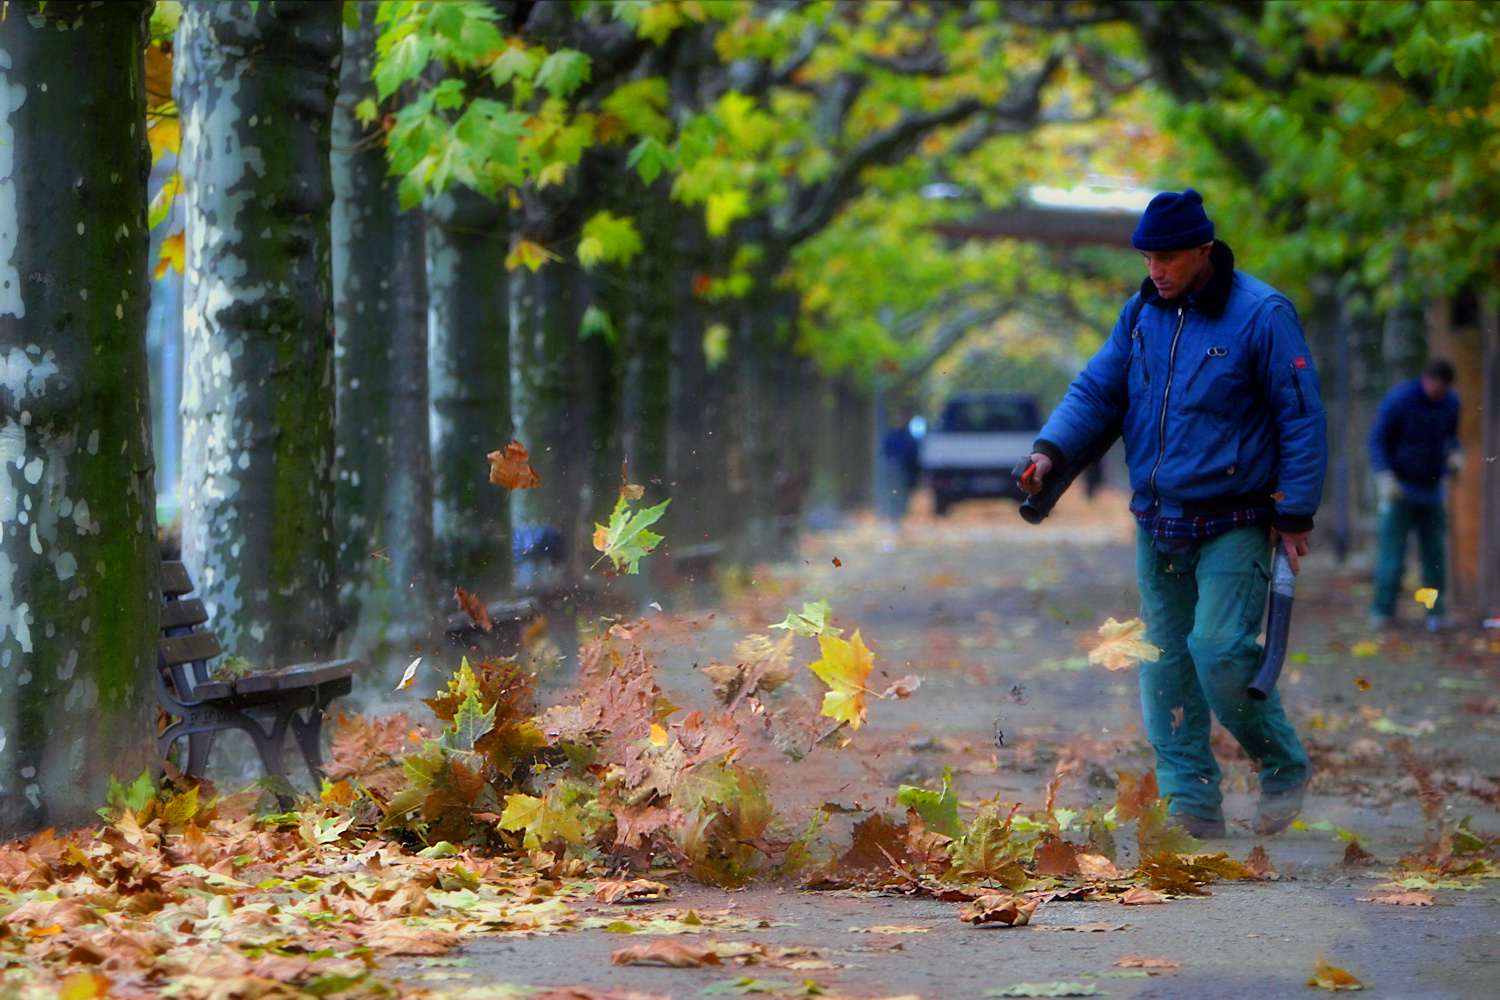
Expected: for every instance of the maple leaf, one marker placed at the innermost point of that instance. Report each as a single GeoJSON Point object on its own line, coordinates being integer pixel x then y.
{"type": "Point", "coordinates": [511, 468]}
{"type": "Point", "coordinates": [1427, 596]}
{"type": "Point", "coordinates": [812, 622]}
{"type": "Point", "coordinates": [1056, 858]}
{"type": "Point", "coordinates": [1122, 644]}
{"type": "Point", "coordinates": [1331, 977]}
{"type": "Point", "coordinates": [670, 952]}
{"type": "Point", "coordinates": [627, 536]}
{"type": "Point", "coordinates": [938, 810]}
{"type": "Point", "coordinates": [638, 890]}
{"type": "Point", "coordinates": [543, 819]}
{"type": "Point", "coordinates": [844, 667]}
{"type": "Point", "coordinates": [172, 255]}
{"type": "Point", "coordinates": [999, 908]}
{"type": "Point", "coordinates": [474, 608]}
{"type": "Point", "coordinates": [1141, 896]}
{"type": "Point", "coordinates": [987, 851]}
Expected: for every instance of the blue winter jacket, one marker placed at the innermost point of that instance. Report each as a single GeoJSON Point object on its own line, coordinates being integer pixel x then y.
{"type": "Point", "coordinates": [1413, 436]}
{"type": "Point", "coordinates": [1217, 399]}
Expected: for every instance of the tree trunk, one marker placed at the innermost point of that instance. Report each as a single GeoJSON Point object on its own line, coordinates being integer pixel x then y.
{"type": "Point", "coordinates": [79, 566]}
{"type": "Point", "coordinates": [469, 362]}
{"type": "Point", "coordinates": [544, 362]}
{"type": "Point", "coordinates": [255, 86]}
{"type": "Point", "coordinates": [380, 321]}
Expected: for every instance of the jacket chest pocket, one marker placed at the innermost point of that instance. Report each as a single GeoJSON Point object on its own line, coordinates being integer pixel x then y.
{"type": "Point", "coordinates": [1215, 381]}
{"type": "Point", "coordinates": [1140, 372]}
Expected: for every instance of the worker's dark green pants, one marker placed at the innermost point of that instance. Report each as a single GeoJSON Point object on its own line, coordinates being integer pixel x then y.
{"type": "Point", "coordinates": [1204, 611]}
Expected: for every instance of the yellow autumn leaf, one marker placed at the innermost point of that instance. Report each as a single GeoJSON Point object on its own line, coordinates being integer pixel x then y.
{"type": "Point", "coordinates": [530, 254]}
{"type": "Point", "coordinates": [1331, 977]}
{"type": "Point", "coordinates": [173, 254]}
{"type": "Point", "coordinates": [1427, 596]}
{"type": "Point", "coordinates": [1122, 644]}
{"type": "Point", "coordinates": [1365, 648]}
{"type": "Point", "coordinates": [658, 736]}
{"type": "Point", "coordinates": [165, 136]}
{"type": "Point", "coordinates": [844, 667]}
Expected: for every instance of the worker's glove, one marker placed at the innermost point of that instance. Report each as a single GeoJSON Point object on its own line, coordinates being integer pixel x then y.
{"type": "Point", "coordinates": [1387, 489]}
{"type": "Point", "coordinates": [1455, 462]}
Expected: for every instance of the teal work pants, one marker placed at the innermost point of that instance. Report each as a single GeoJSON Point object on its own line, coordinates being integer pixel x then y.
{"type": "Point", "coordinates": [1204, 611]}
{"type": "Point", "coordinates": [1397, 521]}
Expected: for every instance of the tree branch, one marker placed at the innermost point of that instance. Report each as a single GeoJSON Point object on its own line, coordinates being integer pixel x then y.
{"type": "Point", "coordinates": [1020, 110]}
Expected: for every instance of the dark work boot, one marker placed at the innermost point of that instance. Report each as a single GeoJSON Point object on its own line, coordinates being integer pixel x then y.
{"type": "Point", "coordinates": [1278, 809]}
{"type": "Point", "coordinates": [1198, 827]}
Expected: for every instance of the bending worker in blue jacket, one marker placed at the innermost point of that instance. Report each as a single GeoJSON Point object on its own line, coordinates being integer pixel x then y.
{"type": "Point", "coordinates": [1413, 445]}
{"type": "Point", "coordinates": [1225, 437]}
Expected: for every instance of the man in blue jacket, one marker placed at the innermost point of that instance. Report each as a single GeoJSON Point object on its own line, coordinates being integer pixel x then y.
{"type": "Point", "coordinates": [1210, 378]}
{"type": "Point", "coordinates": [1413, 445]}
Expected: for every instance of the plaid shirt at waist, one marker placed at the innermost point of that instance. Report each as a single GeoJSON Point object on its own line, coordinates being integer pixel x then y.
{"type": "Point", "coordinates": [1203, 527]}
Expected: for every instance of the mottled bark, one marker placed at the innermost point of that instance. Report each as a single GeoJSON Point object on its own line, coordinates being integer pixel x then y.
{"type": "Point", "coordinates": [255, 86]}
{"type": "Point", "coordinates": [545, 411]}
{"type": "Point", "coordinates": [469, 365]}
{"type": "Point", "coordinates": [79, 568]}
{"type": "Point", "coordinates": [773, 476]}
{"type": "Point", "coordinates": [384, 492]}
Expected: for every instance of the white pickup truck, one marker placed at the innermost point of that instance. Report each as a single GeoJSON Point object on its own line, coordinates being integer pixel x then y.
{"type": "Point", "coordinates": [975, 445]}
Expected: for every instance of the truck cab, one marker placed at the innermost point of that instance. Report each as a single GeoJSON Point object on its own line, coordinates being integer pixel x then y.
{"type": "Point", "coordinates": [975, 445]}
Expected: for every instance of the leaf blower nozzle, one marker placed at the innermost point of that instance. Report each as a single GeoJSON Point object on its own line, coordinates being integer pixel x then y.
{"type": "Point", "coordinates": [1036, 507]}
{"type": "Point", "coordinates": [1278, 626]}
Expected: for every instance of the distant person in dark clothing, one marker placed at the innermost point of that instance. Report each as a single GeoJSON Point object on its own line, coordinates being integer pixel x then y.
{"type": "Point", "coordinates": [1413, 445]}
{"type": "Point", "coordinates": [901, 451]}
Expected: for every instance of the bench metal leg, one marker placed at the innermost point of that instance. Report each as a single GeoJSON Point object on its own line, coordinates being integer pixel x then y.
{"type": "Point", "coordinates": [199, 745]}
{"type": "Point", "coordinates": [309, 740]}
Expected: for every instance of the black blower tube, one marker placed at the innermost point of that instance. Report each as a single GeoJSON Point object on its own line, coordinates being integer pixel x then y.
{"type": "Point", "coordinates": [1278, 625]}
{"type": "Point", "coordinates": [1035, 508]}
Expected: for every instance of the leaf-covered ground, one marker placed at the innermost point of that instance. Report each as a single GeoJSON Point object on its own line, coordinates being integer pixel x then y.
{"type": "Point", "coordinates": [926, 791]}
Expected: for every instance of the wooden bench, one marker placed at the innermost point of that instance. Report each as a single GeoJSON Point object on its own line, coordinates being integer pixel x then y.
{"type": "Point", "coordinates": [263, 705]}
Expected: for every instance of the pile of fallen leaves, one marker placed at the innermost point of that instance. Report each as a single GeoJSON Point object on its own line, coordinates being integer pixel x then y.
{"type": "Point", "coordinates": [615, 773]}
{"type": "Point", "coordinates": [217, 902]}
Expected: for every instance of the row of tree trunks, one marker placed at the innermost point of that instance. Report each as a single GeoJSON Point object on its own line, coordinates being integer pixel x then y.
{"type": "Point", "coordinates": [79, 564]}
{"type": "Point", "coordinates": [384, 467]}
{"type": "Point", "coordinates": [469, 361]}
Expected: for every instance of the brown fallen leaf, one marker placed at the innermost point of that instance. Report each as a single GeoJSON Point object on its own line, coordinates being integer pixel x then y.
{"type": "Point", "coordinates": [903, 688]}
{"type": "Point", "coordinates": [1152, 965]}
{"type": "Point", "coordinates": [999, 908]}
{"type": "Point", "coordinates": [893, 929]}
{"type": "Point", "coordinates": [1141, 896]}
{"type": "Point", "coordinates": [510, 468]}
{"type": "Point", "coordinates": [636, 890]}
{"type": "Point", "coordinates": [1331, 977]}
{"type": "Point", "coordinates": [1259, 863]}
{"type": "Point", "coordinates": [669, 952]}
{"type": "Point", "coordinates": [403, 939]}
{"type": "Point", "coordinates": [1097, 927]}
{"type": "Point", "coordinates": [1355, 856]}
{"type": "Point", "coordinates": [1096, 866]}
{"type": "Point", "coordinates": [474, 608]}
{"type": "Point", "coordinates": [1414, 898]}
{"type": "Point", "coordinates": [1056, 858]}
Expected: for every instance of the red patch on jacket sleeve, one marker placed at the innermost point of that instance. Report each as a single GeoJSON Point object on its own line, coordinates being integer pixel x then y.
{"type": "Point", "coordinates": [1300, 362]}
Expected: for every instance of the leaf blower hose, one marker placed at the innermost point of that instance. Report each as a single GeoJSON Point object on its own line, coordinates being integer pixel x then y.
{"type": "Point", "coordinates": [1278, 625]}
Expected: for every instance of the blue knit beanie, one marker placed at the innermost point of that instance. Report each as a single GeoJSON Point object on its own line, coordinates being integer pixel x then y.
{"type": "Point", "coordinates": [1173, 222]}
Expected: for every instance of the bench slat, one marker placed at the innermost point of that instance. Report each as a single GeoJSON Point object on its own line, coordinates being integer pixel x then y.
{"type": "Point", "coordinates": [174, 579]}
{"type": "Point", "coordinates": [183, 614]}
{"type": "Point", "coordinates": [189, 648]}
{"type": "Point", "coordinates": [213, 690]}
{"type": "Point", "coordinates": [305, 675]}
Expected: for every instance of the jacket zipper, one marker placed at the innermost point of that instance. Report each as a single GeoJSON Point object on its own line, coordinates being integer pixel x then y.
{"type": "Point", "coordinates": [1297, 383]}
{"type": "Point", "coordinates": [1198, 371]}
{"type": "Point", "coordinates": [1166, 392]}
{"type": "Point", "coordinates": [1140, 348]}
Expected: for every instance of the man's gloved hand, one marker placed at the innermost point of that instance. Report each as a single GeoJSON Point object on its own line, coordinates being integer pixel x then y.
{"type": "Point", "coordinates": [1387, 488]}
{"type": "Point", "coordinates": [1455, 462]}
